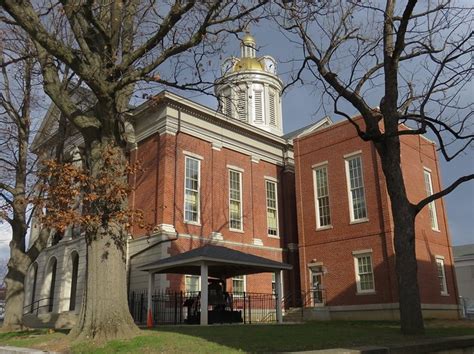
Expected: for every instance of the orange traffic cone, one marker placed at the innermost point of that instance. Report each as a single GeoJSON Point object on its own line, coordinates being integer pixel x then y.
{"type": "Point", "coordinates": [149, 320]}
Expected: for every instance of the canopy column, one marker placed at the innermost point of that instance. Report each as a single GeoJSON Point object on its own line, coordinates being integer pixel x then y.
{"type": "Point", "coordinates": [204, 293]}
{"type": "Point", "coordinates": [278, 282]}
{"type": "Point", "coordinates": [151, 286]}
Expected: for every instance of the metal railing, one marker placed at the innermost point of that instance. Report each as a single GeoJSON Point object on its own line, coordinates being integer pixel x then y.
{"type": "Point", "coordinates": [185, 307]}
{"type": "Point", "coordinates": [35, 306]}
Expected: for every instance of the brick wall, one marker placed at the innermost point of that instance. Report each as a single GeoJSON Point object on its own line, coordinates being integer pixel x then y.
{"type": "Point", "coordinates": [334, 246]}
{"type": "Point", "coordinates": [159, 192]}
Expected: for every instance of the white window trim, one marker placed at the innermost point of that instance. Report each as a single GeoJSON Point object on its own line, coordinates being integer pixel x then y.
{"type": "Point", "coordinates": [444, 292]}
{"type": "Point", "coordinates": [432, 205]}
{"type": "Point", "coordinates": [193, 155]}
{"type": "Point", "coordinates": [240, 172]}
{"type": "Point", "coordinates": [235, 168]}
{"type": "Point", "coordinates": [271, 179]}
{"type": "Point", "coordinates": [352, 154]}
{"type": "Point", "coordinates": [349, 192]}
{"type": "Point", "coordinates": [316, 201]}
{"type": "Point", "coordinates": [319, 164]}
{"type": "Point", "coordinates": [275, 182]}
{"type": "Point", "coordinates": [198, 222]}
{"type": "Point", "coordinates": [356, 255]}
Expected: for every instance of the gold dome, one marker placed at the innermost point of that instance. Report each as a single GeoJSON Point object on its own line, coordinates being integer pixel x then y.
{"type": "Point", "coordinates": [245, 64]}
{"type": "Point", "coordinates": [248, 39]}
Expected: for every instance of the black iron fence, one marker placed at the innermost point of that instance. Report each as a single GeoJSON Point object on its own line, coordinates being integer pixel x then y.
{"type": "Point", "coordinates": [185, 307]}
{"type": "Point", "coordinates": [34, 307]}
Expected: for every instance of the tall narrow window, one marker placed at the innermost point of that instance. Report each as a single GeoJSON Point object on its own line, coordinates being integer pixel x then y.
{"type": "Point", "coordinates": [191, 190]}
{"type": "Point", "coordinates": [364, 273]}
{"type": "Point", "coordinates": [33, 286]}
{"type": "Point", "coordinates": [441, 276]}
{"type": "Point", "coordinates": [271, 98]}
{"type": "Point", "coordinates": [272, 208]}
{"type": "Point", "coordinates": [241, 105]}
{"type": "Point", "coordinates": [238, 285]}
{"type": "Point", "coordinates": [355, 181]}
{"type": "Point", "coordinates": [235, 200]}
{"type": "Point", "coordinates": [258, 104]}
{"type": "Point", "coordinates": [321, 189]}
{"type": "Point", "coordinates": [75, 268]}
{"type": "Point", "coordinates": [431, 206]}
{"type": "Point", "coordinates": [51, 276]}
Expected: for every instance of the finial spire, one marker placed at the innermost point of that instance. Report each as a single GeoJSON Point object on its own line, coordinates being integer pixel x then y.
{"type": "Point", "coordinates": [248, 45]}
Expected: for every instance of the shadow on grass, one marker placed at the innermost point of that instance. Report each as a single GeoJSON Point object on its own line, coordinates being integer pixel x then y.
{"type": "Point", "coordinates": [308, 336]}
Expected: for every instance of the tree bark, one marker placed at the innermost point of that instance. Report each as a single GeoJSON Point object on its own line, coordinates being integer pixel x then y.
{"type": "Point", "coordinates": [104, 312]}
{"type": "Point", "coordinates": [403, 213]}
{"type": "Point", "coordinates": [14, 281]}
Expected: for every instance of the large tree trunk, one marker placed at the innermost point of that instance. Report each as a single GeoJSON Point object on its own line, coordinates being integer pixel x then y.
{"type": "Point", "coordinates": [104, 312]}
{"type": "Point", "coordinates": [15, 280]}
{"type": "Point", "coordinates": [411, 318]}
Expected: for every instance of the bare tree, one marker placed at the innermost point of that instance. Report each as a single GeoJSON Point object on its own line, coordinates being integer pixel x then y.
{"type": "Point", "coordinates": [19, 78]}
{"type": "Point", "coordinates": [116, 45]}
{"type": "Point", "coordinates": [415, 60]}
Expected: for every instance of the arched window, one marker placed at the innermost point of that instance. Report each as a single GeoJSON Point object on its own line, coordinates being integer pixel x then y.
{"type": "Point", "coordinates": [75, 268]}
{"type": "Point", "coordinates": [33, 278]}
{"type": "Point", "coordinates": [50, 282]}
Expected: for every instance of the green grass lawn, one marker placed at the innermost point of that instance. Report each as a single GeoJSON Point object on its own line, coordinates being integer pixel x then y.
{"type": "Point", "coordinates": [246, 338]}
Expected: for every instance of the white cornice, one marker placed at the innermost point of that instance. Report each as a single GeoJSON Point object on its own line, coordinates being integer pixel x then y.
{"type": "Point", "coordinates": [211, 126]}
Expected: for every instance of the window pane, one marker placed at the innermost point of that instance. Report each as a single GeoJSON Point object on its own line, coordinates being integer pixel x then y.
{"type": "Point", "coordinates": [235, 200]}
{"type": "Point", "coordinates": [192, 283]}
{"type": "Point", "coordinates": [431, 206]}
{"type": "Point", "coordinates": [365, 276]}
{"type": "Point", "coordinates": [322, 197]}
{"type": "Point", "coordinates": [191, 192]}
{"type": "Point", "coordinates": [272, 211]}
{"type": "Point", "coordinates": [357, 191]}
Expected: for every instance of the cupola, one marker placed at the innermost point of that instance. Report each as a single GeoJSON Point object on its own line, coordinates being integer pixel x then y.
{"type": "Point", "coordinates": [249, 89]}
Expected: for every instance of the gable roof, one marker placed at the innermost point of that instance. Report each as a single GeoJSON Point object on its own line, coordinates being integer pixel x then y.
{"type": "Point", "coordinates": [222, 262]}
{"type": "Point", "coordinates": [322, 123]}
{"type": "Point", "coordinates": [463, 251]}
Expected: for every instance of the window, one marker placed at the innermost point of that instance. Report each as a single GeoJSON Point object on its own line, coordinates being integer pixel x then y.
{"type": "Point", "coordinates": [51, 278]}
{"type": "Point", "coordinates": [191, 190]}
{"type": "Point", "coordinates": [273, 284]}
{"type": "Point", "coordinates": [241, 105]}
{"type": "Point", "coordinates": [441, 276]}
{"type": "Point", "coordinates": [355, 181]}
{"type": "Point", "coordinates": [192, 283]}
{"type": "Point", "coordinates": [321, 188]}
{"type": "Point", "coordinates": [271, 98]}
{"type": "Point", "coordinates": [258, 104]}
{"type": "Point", "coordinates": [272, 208]}
{"type": "Point", "coordinates": [431, 206]}
{"type": "Point", "coordinates": [34, 277]}
{"type": "Point", "coordinates": [364, 273]}
{"type": "Point", "coordinates": [75, 268]}
{"type": "Point", "coordinates": [235, 200]}
{"type": "Point", "coordinates": [238, 285]}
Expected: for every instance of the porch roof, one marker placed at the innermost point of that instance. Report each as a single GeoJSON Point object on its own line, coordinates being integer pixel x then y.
{"type": "Point", "coordinates": [222, 262]}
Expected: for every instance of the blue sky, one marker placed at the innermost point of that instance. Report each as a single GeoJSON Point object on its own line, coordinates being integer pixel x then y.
{"type": "Point", "coordinates": [302, 105]}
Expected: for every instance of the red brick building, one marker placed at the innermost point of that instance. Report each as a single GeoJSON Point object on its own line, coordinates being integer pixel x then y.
{"type": "Point", "coordinates": [345, 228]}
{"type": "Point", "coordinates": [225, 177]}
{"type": "Point", "coordinates": [314, 198]}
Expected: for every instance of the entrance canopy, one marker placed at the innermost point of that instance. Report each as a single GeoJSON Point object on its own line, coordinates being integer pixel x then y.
{"type": "Point", "coordinates": [217, 262]}
{"type": "Point", "coordinates": [222, 262]}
